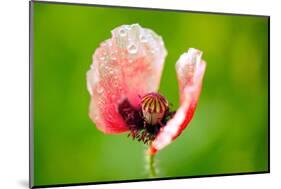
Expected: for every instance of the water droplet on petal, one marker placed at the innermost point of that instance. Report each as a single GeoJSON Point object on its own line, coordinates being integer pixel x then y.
{"type": "Point", "coordinates": [115, 83]}
{"type": "Point", "coordinates": [106, 68]}
{"type": "Point", "coordinates": [102, 58]}
{"type": "Point", "coordinates": [113, 58]}
{"type": "Point", "coordinates": [101, 102]}
{"type": "Point", "coordinates": [143, 38]}
{"type": "Point", "coordinates": [96, 117]}
{"type": "Point", "coordinates": [99, 89]}
{"type": "Point", "coordinates": [122, 32]}
{"type": "Point", "coordinates": [132, 48]}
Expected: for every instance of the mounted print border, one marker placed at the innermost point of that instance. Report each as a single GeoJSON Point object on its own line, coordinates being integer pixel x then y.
{"type": "Point", "coordinates": [80, 117]}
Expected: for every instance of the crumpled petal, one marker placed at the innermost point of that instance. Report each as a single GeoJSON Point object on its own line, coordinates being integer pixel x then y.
{"type": "Point", "coordinates": [190, 70]}
{"type": "Point", "coordinates": [128, 65]}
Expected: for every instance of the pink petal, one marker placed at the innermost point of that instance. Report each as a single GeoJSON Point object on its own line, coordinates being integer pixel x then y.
{"type": "Point", "coordinates": [190, 70]}
{"type": "Point", "coordinates": [128, 65]}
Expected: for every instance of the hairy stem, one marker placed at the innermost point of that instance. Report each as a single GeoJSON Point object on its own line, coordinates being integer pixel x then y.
{"type": "Point", "coordinates": [151, 165]}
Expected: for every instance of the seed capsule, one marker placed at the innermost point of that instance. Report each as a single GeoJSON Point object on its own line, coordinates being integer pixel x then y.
{"type": "Point", "coordinates": [153, 107]}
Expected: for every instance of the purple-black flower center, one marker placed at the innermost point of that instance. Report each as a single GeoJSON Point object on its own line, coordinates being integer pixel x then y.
{"type": "Point", "coordinates": [146, 120]}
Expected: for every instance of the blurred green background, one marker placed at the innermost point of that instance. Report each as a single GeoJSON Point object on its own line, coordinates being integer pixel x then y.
{"type": "Point", "coordinates": [228, 134]}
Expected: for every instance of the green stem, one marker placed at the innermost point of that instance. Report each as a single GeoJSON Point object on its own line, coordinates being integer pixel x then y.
{"type": "Point", "coordinates": [151, 165]}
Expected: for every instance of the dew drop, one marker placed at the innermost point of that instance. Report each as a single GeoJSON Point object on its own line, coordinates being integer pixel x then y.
{"type": "Point", "coordinates": [143, 38]}
{"type": "Point", "coordinates": [102, 58]}
{"type": "Point", "coordinates": [100, 102]}
{"type": "Point", "coordinates": [106, 68]}
{"type": "Point", "coordinates": [99, 89]}
{"type": "Point", "coordinates": [113, 58]}
{"type": "Point", "coordinates": [132, 48]}
{"type": "Point", "coordinates": [121, 90]}
{"type": "Point", "coordinates": [122, 32]}
{"type": "Point", "coordinates": [96, 117]}
{"type": "Point", "coordinates": [115, 83]}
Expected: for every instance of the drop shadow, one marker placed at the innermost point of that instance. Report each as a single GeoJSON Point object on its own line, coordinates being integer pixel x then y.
{"type": "Point", "coordinates": [24, 183]}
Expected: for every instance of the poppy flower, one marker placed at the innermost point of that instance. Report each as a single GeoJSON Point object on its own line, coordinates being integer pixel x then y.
{"type": "Point", "coordinates": [123, 83]}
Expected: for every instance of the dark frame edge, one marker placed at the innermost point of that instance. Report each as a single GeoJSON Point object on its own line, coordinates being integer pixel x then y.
{"type": "Point", "coordinates": [149, 180]}
{"type": "Point", "coordinates": [146, 8]}
{"type": "Point", "coordinates": [268, 79]}
{"type": "Point", "coordinates": [31, 125]}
